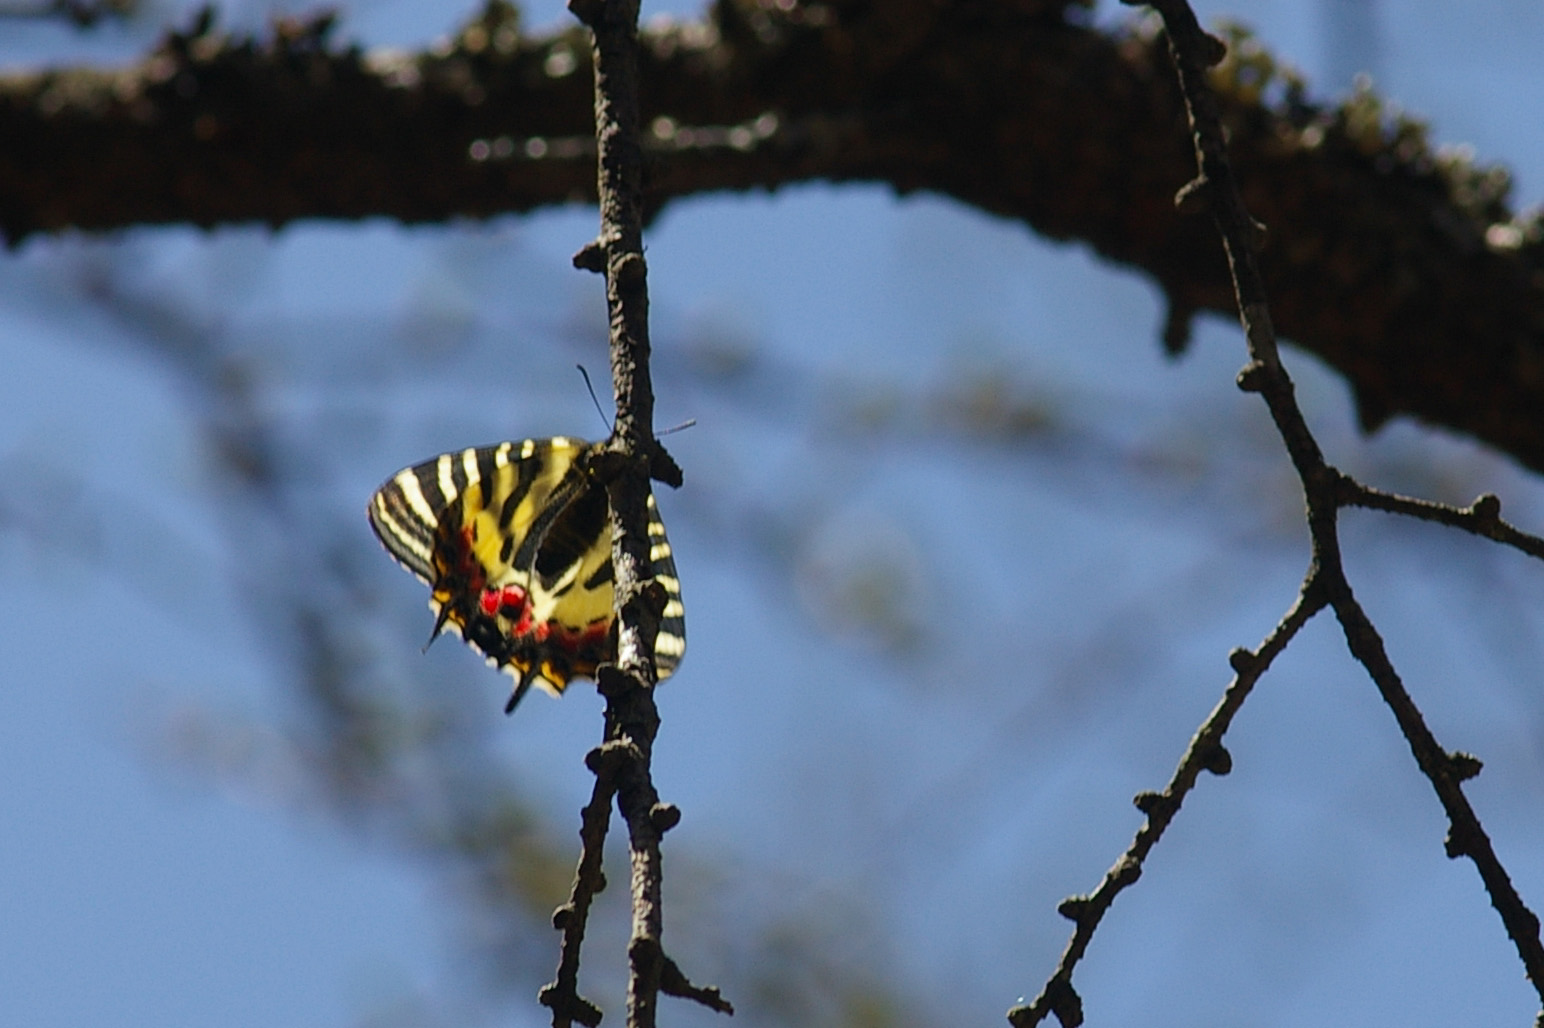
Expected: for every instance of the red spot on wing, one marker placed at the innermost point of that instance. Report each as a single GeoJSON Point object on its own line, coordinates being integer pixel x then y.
{"type": "Point", "coordinates": [499, 622]}
{"type": "Point", "coordinates": [511, 601]}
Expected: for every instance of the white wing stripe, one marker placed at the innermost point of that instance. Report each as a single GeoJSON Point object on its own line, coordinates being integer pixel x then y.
{"type": "Point", "coordinates": [407, 482]}
{"type": "Point", "coordinates": [447, 482]}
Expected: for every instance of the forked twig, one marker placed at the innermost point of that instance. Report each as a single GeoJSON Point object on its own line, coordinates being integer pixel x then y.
{"type": "Point", "coordinates": [1326, 490]}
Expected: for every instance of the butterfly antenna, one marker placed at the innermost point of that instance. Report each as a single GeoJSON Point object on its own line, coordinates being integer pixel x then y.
{"type": "Point", "coordinates": [595, 399]}
{"type": "Point", "coordinates": [688, 423]}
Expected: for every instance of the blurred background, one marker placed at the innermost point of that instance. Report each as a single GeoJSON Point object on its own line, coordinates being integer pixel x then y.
{"type": "Point", "coordinates": [963, 555]}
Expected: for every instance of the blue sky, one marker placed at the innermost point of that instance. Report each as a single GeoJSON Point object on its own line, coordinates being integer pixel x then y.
{"type": "Point", "coordinates": [927, 802]}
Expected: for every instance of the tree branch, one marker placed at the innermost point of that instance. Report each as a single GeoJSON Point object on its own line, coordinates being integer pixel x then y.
{"type": "Point", "coordinates": [1482, 517]}
{"type": "Point", "coordinates": [1215, 190]}
{"type": "Point", "coordinates": [622, 763]}
{"type": "Point", "coordinates": [1399, 266]}
{"type": "Point", "coordinates": [1205, 753]}
{"type": "Point", "coordinates": [561, 996]}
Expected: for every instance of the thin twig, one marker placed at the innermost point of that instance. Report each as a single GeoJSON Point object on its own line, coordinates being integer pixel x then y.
{"type": "Point", "coordinates": [631, 716]}
{"type": "Point", "coordinates": [1326, 490]}
{"type": "Point", "coordinates": [1447, 771]}
{"type": "Point", "coordinates": [1205, 753]}
{"type": "Point", "coordinates": [622, 763]}
{"type": "Point", "coordinates": [673, 983]}
{"type": "Point", "coordinates": [1482, 517]}
{"type": "Point", "coordinates": [562, 995]}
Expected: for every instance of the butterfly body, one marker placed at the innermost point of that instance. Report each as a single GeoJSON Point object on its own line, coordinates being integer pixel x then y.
{"type": "Point", "coordinates": [514, 542]}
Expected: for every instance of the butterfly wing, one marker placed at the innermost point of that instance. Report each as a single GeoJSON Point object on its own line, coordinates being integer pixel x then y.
{"type": "Point", "coordinates": [539, 607]}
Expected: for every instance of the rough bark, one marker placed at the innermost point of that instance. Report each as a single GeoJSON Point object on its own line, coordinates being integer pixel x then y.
{"type": "Point", "coordinates": [1398, 265]}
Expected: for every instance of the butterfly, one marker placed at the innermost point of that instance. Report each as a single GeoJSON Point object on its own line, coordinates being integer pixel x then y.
{"type": "Point", "coordinates": [514, 542]}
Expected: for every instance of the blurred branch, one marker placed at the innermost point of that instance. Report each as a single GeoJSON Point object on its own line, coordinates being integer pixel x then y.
{"type": "Point", "coordinates": [1398, 264]}
{"type": "Point", "coordinates": [83, 13]}
{"type": "Point", "coordinates": [1215, 190]}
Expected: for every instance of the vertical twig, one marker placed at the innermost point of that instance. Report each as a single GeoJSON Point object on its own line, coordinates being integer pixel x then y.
{"type": "Point", "coordinates": [631, 717]}
{"type": "Point", "coordinates": [622, 762]}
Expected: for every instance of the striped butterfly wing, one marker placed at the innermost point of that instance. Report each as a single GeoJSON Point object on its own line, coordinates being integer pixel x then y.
{"type": "Point", "coordinates": [515, 546]}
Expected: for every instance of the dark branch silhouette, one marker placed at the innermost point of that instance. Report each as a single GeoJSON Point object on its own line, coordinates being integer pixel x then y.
{"type": "Point", "coordinates": [1205, 753]}
{"type": "Point", "coordinates": [1215, 190]}
{"type": "Point", "coordinates": [1399, 265]}
{"type": "Point", "coordinates": [621, 764]}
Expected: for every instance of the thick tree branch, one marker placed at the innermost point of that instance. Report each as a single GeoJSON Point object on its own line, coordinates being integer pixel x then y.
{"type": "Point", "coordinates": [1398, 266]}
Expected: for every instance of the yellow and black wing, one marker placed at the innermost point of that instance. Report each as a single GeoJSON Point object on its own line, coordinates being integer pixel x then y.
{"type": "Point", "coordinates": [536, 604]}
